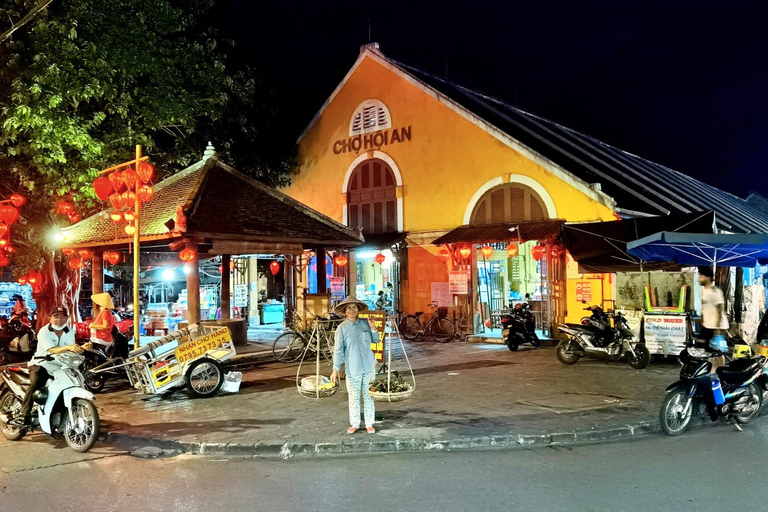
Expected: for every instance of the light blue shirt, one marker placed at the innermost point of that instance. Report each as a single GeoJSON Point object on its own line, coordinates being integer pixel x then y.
{"type": "Point", "coordinates": [46, 340]}
{"type": "Point", "coordinates": [353, 347]}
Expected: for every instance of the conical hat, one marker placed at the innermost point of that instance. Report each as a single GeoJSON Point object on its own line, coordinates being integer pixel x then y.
{"type": "Point", "coordinates": [103, 299]}
{"type": "Point", "coordinates": [351, 299]}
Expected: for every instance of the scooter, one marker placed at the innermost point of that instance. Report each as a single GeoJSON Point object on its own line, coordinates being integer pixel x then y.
{"type": "Point", "coordinates": [63, 408]}
{"type": "Point", "coordinates": [734, 393]}
{"type": "Point", "coordinates": [18, 342]}
{"type": "Point", "coordinates": [519, 327]}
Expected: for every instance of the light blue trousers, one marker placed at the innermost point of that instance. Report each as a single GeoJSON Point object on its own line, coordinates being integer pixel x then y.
{"type": "Point", "coordinates": [357, 385]}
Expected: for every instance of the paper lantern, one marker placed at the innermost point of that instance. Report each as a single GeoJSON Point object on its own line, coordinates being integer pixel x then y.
{"type": "Point", "coordinates": [129, 199]}
{"type": "Point", "coordinates": [116, 216]}
{"type": "Point", "coordinates": [3, 229]}
{"type": "Point", "coordinates": [75, 263]}
{"type": "Point", "coordinates": [340, 260]}
{"type": "Point", "coordinates": [146, 172]}
{"type": "Point", "coordinates": [512, 249]}
{"type": "Point", "coordinates": [18, 200]}
{"type": "Point", "coordinates": [85, 254]}
{"type": "Point", "coordinates": [129, 215]}
{"type": "Point", "coordinates": [274, 267]}
{"type": "Point", "coordinates": [22, 280]}
{"type": "Point", "coordinates": [63, 207]}
{"type": "Point", "coordinates": [32, 280]}
{"type": "Point", "coordinates": [116, 200]}
{"type": "Point", "coordinates": [73, 216]}
{"type": "Point", "coordinates": [187, 254]}
{"type": "Point", "coordinates": [103, 188]}
{"type": "Point", "coordinates": [112, 257]}
{"type": "Point", "coordinates": [465, 251]}
{"type": "Point", "coordinates": [8, 214]}
{"type": "Point", "coordinates": [145, 193]}
{"type": "Point", "coordinates": [130, 229]}
{"type": "Point", "coordinates": [487, 251]}
{"type": "Point", "coordinates": [232, 265]}
{"type": "Point", "coordinates": [67, 251]}
{"type": "Point", "coordinates": [10, 249]}
{"type": "Point", "coordinates": [444, 254]}
{"type": "Point", "coordinates": [3, 242]}
{"type": "Point", "coordinates": [3, 260]}
{"type": "Point", "coordinates": [380, 258]}
{"type": "Point", "coordinates": [130, 178]}
{"type": "Point", "coordinates": [537, 251]}
{"type": "Point", "coordinates": [116, 178]}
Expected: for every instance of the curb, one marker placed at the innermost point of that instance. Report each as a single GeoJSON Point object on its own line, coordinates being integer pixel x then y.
{"type": "Point", "coordinates": [150, 447]}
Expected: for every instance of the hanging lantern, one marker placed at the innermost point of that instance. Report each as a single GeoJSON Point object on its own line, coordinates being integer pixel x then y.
{"type": "Point", "coordinates": [3, 260]}
{"type": "Point", "coordinates": [116, 179]}
{"type": "Point", "coordinates": [102, 187]}
{"type": "Point", "coordinates": [112, 257]}
{"type": "Point", "coordinates": [67, 251]}
{"type": "Point", "coordinates": [129, 215]}
{"type": "Point", "coordinates": [537, 251]}
{"type": "Point", "coordinates": [129, 199]}
{"type": "Point", "coordinates": [116, 216]}
{"type": "Point", "coordinates": [340, 260]}
{"type": "Point", "coordinates": [380, 258]}
{"type": "Point", "coordinates": [10, 249]}
{"type": "Point", "coordinates": [146, 172]}
{"type": "Point", "coordinates": [85, 254]}
{"type": "Point", "coordinates": [512, 249]}
{"type": "Point", "coordinates": [3, 242]}
{"type": "Point", "coordinates": [75, 263]}
{"type": "Point", "coordinates": [8, 214]}
{"type": "Point", "coordinates": [145, 193]}
{"type": "Point", "coordinates": [487, 251]}
{"type": "Point", "coordinates": [18, 200]}
{"type": "Point", "coordinates": [274, 267]}
{"type": "Point", "coordinates": [465, 251]}
{"type": "Point", "coordinates": [116, 200]}
{"type": "Point", "coordinates": [32, 280]}
{"type": "Point", "coordinates": [186, 254]}
{"type": "Point", "coordinates": [63, 207]}
{"type": "Point", "coordinates": [130, 178]}
{"type": "Point", "coordinates": [73, 216]}
{"type": "Point", "coordinates": [444, 254]}
{"type": "Point", "coordinates": [3, 229]}
{"type": "Point", "coordinates": [22, 280]}
{"type": "Point", "coordinates": [232, 265]}
{"type": "Point", "coordinates": [130, 229]}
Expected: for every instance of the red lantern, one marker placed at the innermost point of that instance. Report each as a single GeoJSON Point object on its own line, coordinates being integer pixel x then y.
{"type": "Point", "coordinates": [146, 172]}
{"type": "Point", "coordinates": [145, 193]}
{"type": "Point", "coordinates": [32, 280]}
{"type": "Point", "coordinates": [130, 178]}
{"type": "Point", "coordinates": [129, 215]}
{"type": "Point", "coordinates": [73, 216]}
{"type": "Point", "coordinates": [380, 258]}
{"type": "Point", "coordinates": [186, 254]}
{"type": "Point", "coordinates": [116, 216]}
{"type": "Point", "coordinates": [75, 263]}
{"type": "Point", "coordinates": [63, 207]}
{"type": "Point", "coordinates": [116, 200]}
{"type": "Point", "coordinates": [274, 267]}
{"type": "Point", "coordinates": [116, 178]}
{"type": "Point", "coordinates": [232, 265]}
{"type": "Point", "coordinates": [3, 242]}
{"type": "Point", "coordinates": [340, 260]}
{"type": "Point", "coordinates": [67, 251]}
{"type": "Point", "coordinates": [130, 229]}
{"type": "Point", "coordinates": [112, 257]}
{"type": "Point", "coordinates": [129, 199]}
{"type": "Point", "coordinates": [3, 260]}
{"type": "Point", "coordinates": [103, 187]}
{"type": "Point", "coordinates": [8, 214]}
{"type": "Point", "coordinates": [444, 254]}
{"type": "Point", "coordinates": [10, 249]}
{"type": "Point", "coordinates": [487, 251]}
{"type": "Point", "coordinates": [85, 254]}
{"type": "Point", "coordinates": [22, 280]}
{"type": "Point", "coordinates": [3, 229]}
{"type": "Point", "coordinates": [537, 251]}
{"type": "Point", "coordinates": [465, 251]}
{"type": "Point", "coordinates": [512, 249]}
{"type": "Point", "coordinates": [18, 200]}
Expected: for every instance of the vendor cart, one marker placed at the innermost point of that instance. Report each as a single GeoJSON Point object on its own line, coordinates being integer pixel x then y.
{"type": "Point", "coordinates": [196, 361]}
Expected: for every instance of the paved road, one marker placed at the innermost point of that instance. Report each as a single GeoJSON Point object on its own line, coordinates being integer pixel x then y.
{"type": "Point", "coordinates": [711, 468]}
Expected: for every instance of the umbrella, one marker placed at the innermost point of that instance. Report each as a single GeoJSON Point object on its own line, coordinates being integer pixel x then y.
{"type": "Point", "coordinates": [698, 249]}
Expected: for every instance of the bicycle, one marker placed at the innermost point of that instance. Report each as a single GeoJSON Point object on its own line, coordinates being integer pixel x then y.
{"type": "Point", "coordinates": [438, 326]}
{"type": "Point", "coordinates": [290, 345]}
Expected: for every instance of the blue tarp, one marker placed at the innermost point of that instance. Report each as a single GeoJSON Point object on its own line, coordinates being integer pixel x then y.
{"type": "Point", "coordinates": [698, 249]}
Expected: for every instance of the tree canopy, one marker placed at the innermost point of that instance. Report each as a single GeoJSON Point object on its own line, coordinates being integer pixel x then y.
{"type": "Point", "coordinates": [84, 81]}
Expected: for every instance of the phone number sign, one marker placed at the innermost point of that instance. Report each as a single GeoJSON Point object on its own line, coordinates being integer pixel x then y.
{"type": "Point", "coordinates": [201, 345]}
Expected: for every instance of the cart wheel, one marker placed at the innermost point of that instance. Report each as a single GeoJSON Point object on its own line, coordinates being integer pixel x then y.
{"type": "Point", "coordinates": [204, 378]}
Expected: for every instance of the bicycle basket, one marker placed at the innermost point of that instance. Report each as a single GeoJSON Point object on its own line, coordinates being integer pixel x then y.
{"type": "Point", "coordinates": [442, 312]}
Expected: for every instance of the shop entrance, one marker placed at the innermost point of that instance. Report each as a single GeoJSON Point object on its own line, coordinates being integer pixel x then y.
{"type": "Point", "coordinates": [376, 283]}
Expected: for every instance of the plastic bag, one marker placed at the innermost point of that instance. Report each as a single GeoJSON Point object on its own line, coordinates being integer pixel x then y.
{"type": "Point", "coordinates": [718, 343]}
{"type": "Point", "coordinates": [232, 382]}
{"type": "Point", "coordinates": [313, 382]}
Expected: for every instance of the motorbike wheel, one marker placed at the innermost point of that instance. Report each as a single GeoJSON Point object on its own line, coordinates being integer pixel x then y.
{"type": "Point", "coordinates": [673, 421]}
{"type": "Point", "coordinates": [565, 353]}
{"type": "Point", "coordinates": [642, 357]}
{"type": "Point", "coordinates": [204, 378]}
{"type": "Point", "coordinates": [11, 405]}
{"type": "Point", "coordinates": [511, 345]}
{"type": "Point", "coordinates": [93, 381]}
{"type": "Point", "coordinates": [81, 428]}
{"type": "Point", "coordinates": [535, 341]}
{"type": "Point", "coordinates": [751, 409]}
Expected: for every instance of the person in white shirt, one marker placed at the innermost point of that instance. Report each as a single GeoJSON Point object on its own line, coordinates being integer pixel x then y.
{"type": "Point", "coordinates": [713, 317]}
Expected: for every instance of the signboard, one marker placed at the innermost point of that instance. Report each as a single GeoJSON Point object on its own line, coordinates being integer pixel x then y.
{"type": "Point", "coordinates": [380, 317]}
{"type": "Point", "coordinates": [584, 291]}
{"type": "Point", "coordinates": [458, 282]}
{"type": "Point", "coordinates": [241, 296]}
{"type": "Point", "coordinates": [196, 348]}
{"type": "Point", "coordinates": [337, 288]}
{"type": "Point", "coordinates": [665, 334]}
{"type": "Point", "coordinates": [442, 294]}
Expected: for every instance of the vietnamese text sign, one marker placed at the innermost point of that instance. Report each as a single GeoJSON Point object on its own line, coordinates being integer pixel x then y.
{"type": "Point", "coordinates": [665, 334]}
{"type": "Point", "coordinates": [458, 282]}
{"type": "Point", "coordinates": [584, 291]}
{"type": "Point", "coordinates": [441, 293]}
{"type": "Point", "coordinates": [337, 288]}
{"type": "Point", "coordinates": [203, 344]}
{"type": "Point", "coordinates": [380, 317]}
{"type": "Point", "coordinates": [241, 296]}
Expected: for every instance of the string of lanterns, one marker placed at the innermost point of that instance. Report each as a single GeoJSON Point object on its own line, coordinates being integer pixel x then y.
{"type": "Point", "coordinates": [464, 251]}
{"type": "Point", "coordinates": [122, 189]}
{"type": "Point", "coordinates": [9, 214]}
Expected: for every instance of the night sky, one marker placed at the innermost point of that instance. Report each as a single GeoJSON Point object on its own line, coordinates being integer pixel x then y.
{"type": "Point", "coordinates": [684, 84]}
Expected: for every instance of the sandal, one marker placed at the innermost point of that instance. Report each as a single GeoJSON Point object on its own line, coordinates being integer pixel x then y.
{"type": "Point", "coordinates": [351, 430]}
{"type": "Point", "coordinates": [370, 430]}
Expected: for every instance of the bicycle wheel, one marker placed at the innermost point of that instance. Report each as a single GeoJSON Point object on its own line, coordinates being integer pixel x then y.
{"type": "Point", "coordinates": [287, 347]}
{"type": "Point", "coordinates": [442, 330]}
{"type": "Point", "coordinates": [328, 344]}
{"type": "Point", "coordinates": [410, 327]}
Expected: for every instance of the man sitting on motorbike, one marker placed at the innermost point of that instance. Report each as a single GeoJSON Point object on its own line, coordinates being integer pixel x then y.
{"type": "Point", "coordinates": [54, 338]}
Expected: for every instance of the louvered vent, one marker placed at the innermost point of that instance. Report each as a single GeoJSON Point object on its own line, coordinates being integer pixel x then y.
{"type": "Point", "coordinates": [370, 116]}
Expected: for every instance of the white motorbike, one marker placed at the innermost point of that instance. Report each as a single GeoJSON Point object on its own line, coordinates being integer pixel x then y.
{"type": "Point", "coordinates": [63, 408]}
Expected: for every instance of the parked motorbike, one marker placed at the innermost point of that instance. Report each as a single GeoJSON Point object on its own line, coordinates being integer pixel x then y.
{"type": "Point", "coordinates": [519, 327]}
{"type": "Point", "coordinates": [595, 337]}
{"type": "Point", "coordinates": [734, 393]}
{"type": "Point", "coordinates": [63, 408]}
{"type": "Point", "coordinates": [103, 362]}
{"type": "Point", "coordinates": [18, 341]}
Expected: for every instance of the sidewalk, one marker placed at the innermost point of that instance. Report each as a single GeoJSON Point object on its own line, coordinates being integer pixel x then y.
{"type": "Point", "coordinates": [467, 395]}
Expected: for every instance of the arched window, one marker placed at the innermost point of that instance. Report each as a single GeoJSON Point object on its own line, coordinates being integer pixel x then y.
{"type": "Point", "coordinates": [372, 198]}
{"type": "Point", "coordinates": [509, 202]}
{"type": "Point", "coordinates": [370, 116]}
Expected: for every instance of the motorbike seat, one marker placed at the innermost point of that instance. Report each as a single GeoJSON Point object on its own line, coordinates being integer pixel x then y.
{"type": "Point", "coordinates": [739, 369]}
{"type": "Point", "coordinates": [584, 328]}
{"type": "Point", "coordinates": [20, 376]}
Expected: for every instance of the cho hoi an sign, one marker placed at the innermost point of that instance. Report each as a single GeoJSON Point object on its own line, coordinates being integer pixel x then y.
{"type": "Point", "coordinates": [380, 319]}
{"type": "Point", "coordinates": [196, 348]}
{"type": "Point", "coordinates": [373, 140]}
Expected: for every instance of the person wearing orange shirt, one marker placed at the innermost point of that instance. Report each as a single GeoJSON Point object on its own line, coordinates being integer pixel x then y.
{"type": "Point", "coordinates": [105, 320]}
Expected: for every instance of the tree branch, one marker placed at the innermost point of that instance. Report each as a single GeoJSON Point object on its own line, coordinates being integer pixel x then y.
{"type": "Point", "coordinates": [41, 4]}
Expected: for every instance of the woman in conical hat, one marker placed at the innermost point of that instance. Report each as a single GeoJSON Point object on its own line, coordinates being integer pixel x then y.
{"type": "Point", "coordinates": [104, 321]}
{"type": "Point", "coordinates": [353, 348]}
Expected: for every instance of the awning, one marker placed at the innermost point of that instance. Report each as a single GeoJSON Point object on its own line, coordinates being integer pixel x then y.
{"type": "Point", "coordinates": [380, 241]}
{"type": "Point", "coordinates": [602, 246]}
{"type": "Point", "coordinates": [694, 249]}
{"type": "Point", "coordinates": [507, 232]}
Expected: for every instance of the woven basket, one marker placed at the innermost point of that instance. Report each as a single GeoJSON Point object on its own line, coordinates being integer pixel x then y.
{"type": "Point", "coordinates": [390, 397]}
{"type": "Point", "coordinates": [312, 393]}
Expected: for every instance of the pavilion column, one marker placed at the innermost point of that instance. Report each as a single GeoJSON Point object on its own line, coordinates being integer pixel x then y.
{"type": "Point", "coordinates": [225, 295]}
{"type": "Point", "coordinates": [352, 273]}
{"type": "Point", "coordinates": [193, 286]}
{"type": "Point", "coordinates": [321, 287]}
{"type": "Point", "coordinates": [97, 274]}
